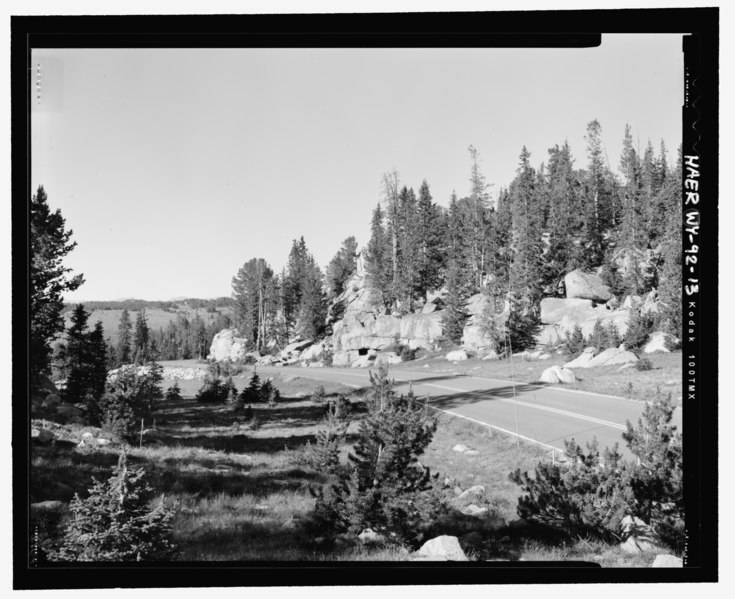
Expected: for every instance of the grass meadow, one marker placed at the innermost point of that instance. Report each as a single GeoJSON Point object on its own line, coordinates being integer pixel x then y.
{"type": "Point", "coordinates": [243, 491]}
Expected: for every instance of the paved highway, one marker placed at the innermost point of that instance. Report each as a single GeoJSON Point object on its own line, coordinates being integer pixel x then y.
{"type": "Point", "coordinates": [544, 414]}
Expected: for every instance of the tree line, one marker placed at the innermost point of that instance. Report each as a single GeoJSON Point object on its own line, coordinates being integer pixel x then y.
{"type": "Point", "coordinates": [517, 248]}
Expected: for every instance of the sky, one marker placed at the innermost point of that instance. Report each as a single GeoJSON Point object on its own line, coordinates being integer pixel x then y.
{"type": "Point", "coordinates": [175, 167]}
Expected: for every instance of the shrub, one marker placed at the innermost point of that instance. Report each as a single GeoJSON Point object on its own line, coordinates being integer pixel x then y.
{"type": "Point", "coordinates": [574, 341]}
{"type": "Point", "coordinates": [214, 390]}
{"type": "Point", "coordinates": [383, 486]}
{"type": "Point", "coordinates": [644, 364]}
{"type": "Point", "coordinates": [319, 395]}
{"type": "Point", "coordinates": [174, 392]}
{"type": "Point", "coordinates": [327, 358]}
{"type": "Point", "coordinates": [518, 333]}
{"type": "Point", "coordinates": [657, 480]}
{"type": "Point", "coordinates": [269, 394]}
{"type": "Point", "coordinates": [639, 328]}
{"type": "Point", "coordinates": [407, 354]}
{"type": "Point", "coordinates": [115, 523]}
{"type": "Point", "coordinates": [128, 400]}
{"type": "Point", "coordinates": [581, 498]}
{"type": "Point", "coordinates": [588, 497]}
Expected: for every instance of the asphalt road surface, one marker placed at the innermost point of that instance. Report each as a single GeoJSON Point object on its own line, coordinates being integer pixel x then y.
{"type": "Point", "coordinates": [538, 413]}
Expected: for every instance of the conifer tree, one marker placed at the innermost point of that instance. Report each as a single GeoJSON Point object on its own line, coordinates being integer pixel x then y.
{"type": "Point", "coordinates": [115, 522]}
{"type": "Point", "coordinates": [342, 267]}
{"type": "Point", "coordinates": [526, 275]}
{"type": "Point", "coordinates": [384, 487]}
{"type": "Point", "coordinates": [50, 243]}
{"type": "Point", "coordinates": [455, 313]}
{"type": "Point", "coordinates": [77, 356]}
{"type": "Point", "coordinates": [377, 255]}
{"type": "Point", "coordinates": [141, 338]}
{"type": "Point", "coordinates": [429, 236]}
{"type": "Point", "coordinates": [124, 338]}
{"type": "Point", "coordinates": [250, 288]}
{"type": "Point", "coordinates": [98, 360]}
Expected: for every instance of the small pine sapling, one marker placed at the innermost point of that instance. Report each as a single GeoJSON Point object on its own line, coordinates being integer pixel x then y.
{"type": "Point", "coordinates": [251, 393]}
{"type": "Point", "coordinates": [116, 523]}
{"type": "Point", "coordinates": [174, 392]}
{"type": "Point", "coordinates": [574, 341]}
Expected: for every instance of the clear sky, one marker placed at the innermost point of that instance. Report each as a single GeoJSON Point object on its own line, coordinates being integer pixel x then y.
{"type": "Point", "coordinates": [174, 167]}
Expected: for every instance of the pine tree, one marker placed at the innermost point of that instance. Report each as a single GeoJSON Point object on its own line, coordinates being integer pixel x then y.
{"type": "Point", "coordinates": [250, 288]}
{"type": "Point", "coordinates": [342, 267]}
{"type": "Point", "coordinates": [384, 487]}
{"type": "Point", "coordinates": [124, 339]}
{"type": "Point", "coordinates": [76, 356]}
{"type": "Point", "coordinates": [116, 524]}
{"type": "Point", "coordinates": [408, 255]}
{"type": "Point", "coordinates": [477, 242]}
{"type": "Point", "coordinates": [50, 242]}
{"type": "Point", "coordinates": [98, 361]}
{"type": "Point", "coordinates": [526, 267]}
{"type": "Point", "coordinates": [429, 238]}
{"type": "Point", "coordinates": [141, 338]}
{"type": "Point", "coordinates": [377, 255]}
{"type": "Point", "coordinates": [455, 313]}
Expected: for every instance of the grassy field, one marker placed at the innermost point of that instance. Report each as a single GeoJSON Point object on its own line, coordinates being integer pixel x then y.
{"type": "Point", "coordinates": [665, 376]}
{"type": "Point", "coordinates": [242, 491]}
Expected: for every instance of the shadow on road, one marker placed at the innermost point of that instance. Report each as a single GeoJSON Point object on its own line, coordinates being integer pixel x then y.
{"type": "Point", "coordinates": [452, 400]}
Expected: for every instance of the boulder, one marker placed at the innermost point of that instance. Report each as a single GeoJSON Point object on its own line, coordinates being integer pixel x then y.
{"type": "Point", "coordinates": [297, 346]}
{"type": "Point", "coordinates": [657, 342]}
{"type": "Point", "coordinates": [442, 548]}
{"type": "Point", "coordinates": [41, 436]}
{"type": "Point", "coordinates": [421, 330]}
{"type": "Point", "coordinates": [457, 355]}
{"type": "Point", "coordinates": [667, 561]}
{"type": "Point", "coordinates": [429, 308]}
{"type": "Point", "coordinates": [582, 285]}
{"type": "Point", "coordinates": [611, 357]}
{"type": "Point", "coordinates": [553, 309]}
{"type": "Point", "coordinates": [557, 374]}
{"type": "Point", "coordinates": [638, 536]}
{"type": "Point", "coordinates": [370, 536]}
{"type": "Point", "coordinates": [474, 510]}
{"type": "Point", "coordinates": [650, 303]}
{"type": "Point", "coordinates": [491, 355]}
{"type": "Point", "coordinates": [362, 362]}
{"type": "Point", "coordinates": [473, 336]}
{"type": "Point", "coordinates": [267, 360]}
{"type": "Point", "coordinates": [583, 360]}
{"type": "Point", "coordinates": [227, 346]}
{"type": "Point", "coordinates": [460, 448]}
{"type": "Point", "coordinates": [317, 364]}
{"type": "Point", "coordinates": [476, 305]}
{"type": "Point", "coordinates": [387, 357]}
{"type": "Point", "coordinates": [473, 491]}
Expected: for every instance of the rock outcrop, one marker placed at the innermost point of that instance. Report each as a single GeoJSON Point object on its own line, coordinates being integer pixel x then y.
{"type": "Point", "coordinates": [227, 346]}
{"type": "Point", "coordinates": [582, 285]}
{"type": "Point", "coordinates": [609, 357]}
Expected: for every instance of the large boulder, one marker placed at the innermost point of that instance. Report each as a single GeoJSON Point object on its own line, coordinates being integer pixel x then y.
{"type": "Point", "coordinates": [457, 355]}
{"type": "Point", "coordinates": [443, 548]}
{"type": "Point", "coordinates": [657, 342]}
{"type": "Point", "coordinates": [613, 356]}
{"type": "Point", "coordinates": [553, 309]}
{"type": "Point", "coordinates": [227, 346]}
{"type": "Point", "coordinates": [583, 360]}
{"type": "Point", "coordinates": [638, 536]}
{"type": "Point", "coordinates": [582, 285]}
{"type": "Point", "coordinates": [421, 330]}
{"type": "Point", "coordinates": [557, 374]}
{"type": "Point", "coordinates": [344, 358]}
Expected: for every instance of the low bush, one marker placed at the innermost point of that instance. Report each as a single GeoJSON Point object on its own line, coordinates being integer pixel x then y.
{"type": "Point", "coordinates": [214, 390]}
{"type": "Point", "coordinates": [574, 341]}
{"type": "Point", "coordinates": [115, 523]}
{"type": "Point", "coordinates": [591, 497]}
{"type": "Point", "coordinates": [407, 354]}
{"type": "Point", "coordinates": [319, 395]}
{"type": "Point", "coordinates": [643, 364]}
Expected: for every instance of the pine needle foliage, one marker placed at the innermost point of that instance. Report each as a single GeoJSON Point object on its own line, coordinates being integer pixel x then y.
{"type": "Point", "coordinates": [116, 522]}
{"type": "Point", "coordinates": [590, 496]}
{"type": "Point", "coordinates": [383, 486]}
